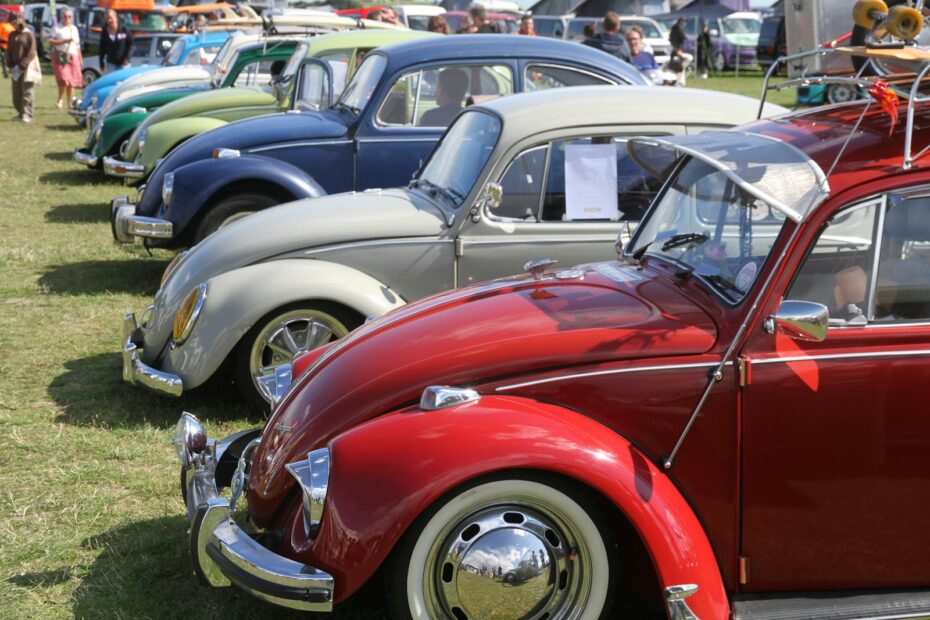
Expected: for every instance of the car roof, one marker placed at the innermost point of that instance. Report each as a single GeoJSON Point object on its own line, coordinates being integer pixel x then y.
{"type": "Point", "coordinates": [464, 47]}
{"type": "Point", "coordinates": [365, 38]}
{"type": "Point", "coordinates": [555, 108]}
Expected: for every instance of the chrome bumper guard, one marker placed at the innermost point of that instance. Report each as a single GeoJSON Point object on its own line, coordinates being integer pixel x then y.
{"type": "Point", "coordinates": [126, 169]}
{"type": "Point", "coordinates": [126, 225]}
{"type": "Point", "coordinates": [78, 114]}
{"type": "Point", "coordinates": [224, 554]}
{"type": "Point", "coordinates": [136, 371]}
{"type": "Point", "coordinates": [84, 158]}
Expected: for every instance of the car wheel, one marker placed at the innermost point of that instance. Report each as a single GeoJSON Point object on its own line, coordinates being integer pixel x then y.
{"type": "Point", "coordinates": [89, 75]}
{"type": "Point", "coordinates": [278, 338]}
{"type": "Point", "coordinates": [548, 541]}
{"type": "Point", "coordinates": [841, 93]}
{"type": "Point", "coordinates": [720, 62]}
{"type": "Point", "coordinates": [229, 210]}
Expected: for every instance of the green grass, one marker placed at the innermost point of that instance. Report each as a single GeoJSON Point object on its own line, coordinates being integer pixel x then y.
{"type": "Point", "coordinates": [92, 523]}
{"type": "Point", "coordinates": [748, 83]}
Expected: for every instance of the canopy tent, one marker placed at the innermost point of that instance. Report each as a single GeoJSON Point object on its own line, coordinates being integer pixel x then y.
{"type": "Point", "coordinates": [707, 9]}
{"type": "Point", "coordinates": [599, 8]}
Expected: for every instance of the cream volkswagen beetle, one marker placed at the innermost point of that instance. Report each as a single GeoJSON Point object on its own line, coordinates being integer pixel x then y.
{"type": "Point", "coordinates": [514, 179]}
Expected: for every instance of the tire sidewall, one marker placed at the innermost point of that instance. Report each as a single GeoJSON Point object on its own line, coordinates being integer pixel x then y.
{"type": "Point", "coordinates": [215, 214]}
{"type": "Point", "coordinates": [509, 490]}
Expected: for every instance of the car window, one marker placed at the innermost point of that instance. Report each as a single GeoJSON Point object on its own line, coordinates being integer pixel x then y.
{"type": "Point", "coordinates": [903, 285]}
{"type": "Point", "coordinates": [140, 48]}
{"type": "Point", "coordinates": [339, 64]}
{"type": "Point", "coordinates": [542, 77]}
{"type": "Point", "coordinates": [314, 88]}
{"type": "Point", "coordinates": [522, 184]}
{"type": "Point", "coordinates": [175, 53]}
{"type": "Point", "coordinates": [256, 73]}
{"type": "Point", "coordinates": [837, 270]}
{"type": "Point", "coordinates": [433, 97]}
{"type": "Point", "coordinates": [650, 30]}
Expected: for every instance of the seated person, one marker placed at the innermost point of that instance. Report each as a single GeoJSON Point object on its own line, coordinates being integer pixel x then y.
{"type": "Point", "coordinates": [453, 83]}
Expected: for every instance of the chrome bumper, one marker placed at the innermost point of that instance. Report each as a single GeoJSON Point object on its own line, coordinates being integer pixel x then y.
{"type": "Point", "coordinates": [125, 169]}
{"type": "Point", "coordinates": [224, 554]}
{"type": "Point", "coordinates": [125, 224]}
{"type": "Point", "coordinates": [84, 158]}
{"type": "Point", "coordinates": [136, 371]}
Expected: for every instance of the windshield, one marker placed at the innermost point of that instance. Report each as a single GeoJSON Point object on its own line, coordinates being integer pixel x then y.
{"type": "Point", "coordinates": [741, 26]}
{"type": "Point", "coordinates": [710, 227]}
{"type": "Point", "coordinates": [363, 84]}
{"type": "Point", "coordinates": [173, 58]}
{"type": "Point", "coordinates": [460, 156]}
{"type": "Point", "coordinates": [282, 82]}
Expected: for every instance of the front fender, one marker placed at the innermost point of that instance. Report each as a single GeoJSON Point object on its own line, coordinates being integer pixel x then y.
{"type": "Point", "coordinates": [116, 128]}
{"type": "Point", "coordinates": [101, 94]}
{"type": "Point", "coordinates": [161, 137]}
{"type": "Point", "coordinates": [197, 183]}
{"type": "Point", "coordinates": [385, 473]}
{"type": "Point", "coordinates": [237, 299]}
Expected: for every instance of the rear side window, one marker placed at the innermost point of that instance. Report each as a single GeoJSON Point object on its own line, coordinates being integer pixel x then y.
{"type": "Point", "coordinates": [543, 77]}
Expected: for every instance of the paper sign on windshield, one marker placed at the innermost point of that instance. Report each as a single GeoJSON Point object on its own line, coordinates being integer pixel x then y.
{"type": "Point", "coordinates": [591, 182]}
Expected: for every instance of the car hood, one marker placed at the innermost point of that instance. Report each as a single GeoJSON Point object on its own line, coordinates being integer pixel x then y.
{"type": "Point", "coordinates": [154, 96]}
{"type": "Point", "coordinates": [287, 229]}
{"type": "Point", "coordinates": [510, 327]}
{"type": "Point", "coordinates": [162, 75]}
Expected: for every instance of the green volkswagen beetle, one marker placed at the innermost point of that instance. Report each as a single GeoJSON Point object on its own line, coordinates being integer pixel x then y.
{"type": "Point", "coordinates": [179, 120]}
{"type": "Point", "coordinates": [253, 65]}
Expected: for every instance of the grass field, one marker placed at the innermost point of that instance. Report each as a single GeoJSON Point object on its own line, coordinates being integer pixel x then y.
{"type": "Point", "coordinates": [91, 523]}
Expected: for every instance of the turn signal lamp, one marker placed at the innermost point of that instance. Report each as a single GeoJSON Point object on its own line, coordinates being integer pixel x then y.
{"type": "Point", "coordinates": [187, 314]}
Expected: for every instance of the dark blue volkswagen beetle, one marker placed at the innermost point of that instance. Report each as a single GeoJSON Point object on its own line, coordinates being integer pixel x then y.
{"type": "Point", "coordinates": [376, 135]}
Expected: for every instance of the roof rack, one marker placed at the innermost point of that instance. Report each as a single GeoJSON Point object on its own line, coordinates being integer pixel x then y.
{"type": "Point", "coordinates": [905, 85]}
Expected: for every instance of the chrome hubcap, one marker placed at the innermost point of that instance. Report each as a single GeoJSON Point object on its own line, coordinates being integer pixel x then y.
{"type": "Point", "coordinates": [509, 561]}
{"type": "Point", "coordinates": [286, 337]}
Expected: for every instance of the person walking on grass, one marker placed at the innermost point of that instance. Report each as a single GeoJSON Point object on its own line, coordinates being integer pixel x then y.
{"type": "Point", "coordinates": [22, 64]}
{"type": "Point", "coordinates": [6, 29]}
{"type": "Point", "coordinates": [66, 57]}
{"type": "Point", "coordinates": [115, 44]}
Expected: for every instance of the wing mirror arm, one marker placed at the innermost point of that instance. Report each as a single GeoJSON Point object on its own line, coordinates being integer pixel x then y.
{"type": "Point", "coordinates": [800, 320]}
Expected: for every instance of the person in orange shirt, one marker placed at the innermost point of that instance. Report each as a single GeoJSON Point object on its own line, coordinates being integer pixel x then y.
{"type": "Point", "coordinates": [6, 27]}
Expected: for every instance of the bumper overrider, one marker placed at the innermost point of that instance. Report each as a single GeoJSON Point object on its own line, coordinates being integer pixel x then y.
{"type": "Point", "coordinates": [125, 169]}
{"type": "Point", "coordinates": [223, 553]}
{"type": "Point", "coordinates": [126, 225]}
{"type": "Point", "coordinates": [135, 370]}
{"type": "Point", "coordinates": [84, 158]}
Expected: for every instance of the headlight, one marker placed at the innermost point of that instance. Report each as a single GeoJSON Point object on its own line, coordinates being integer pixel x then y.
{"type": "Point", "coordinates": [171, 267]}
{"type": "Point", "coordinates": [142, 138]}
{"type": "Point", "coordinates": [167, 187]}
{"type": "Point", "coordinates": [187, 314]}
{"type": "Point", "coordinates": [189, 439]}
{"type": "Point", "coordinates": [313, 476]}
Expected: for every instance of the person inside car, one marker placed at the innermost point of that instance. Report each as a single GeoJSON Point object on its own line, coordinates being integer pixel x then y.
{"type": "Point", "coordinates": [453, 83]}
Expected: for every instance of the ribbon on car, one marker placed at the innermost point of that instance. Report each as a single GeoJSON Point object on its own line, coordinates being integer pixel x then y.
{"type": "Point", "coordinates": [887, 99]}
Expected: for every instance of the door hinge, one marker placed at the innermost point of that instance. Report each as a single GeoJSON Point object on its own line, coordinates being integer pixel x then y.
{"type": "Point", "coordinates": [743, 569]}
{"type": "Point", "coordinates": [460, 247]}
{"type": "Point", "coordinates": [745, 372]}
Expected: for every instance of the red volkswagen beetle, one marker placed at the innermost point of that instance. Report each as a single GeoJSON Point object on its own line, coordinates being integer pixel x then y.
{"type": "Point", "coordinates": [718, 423]}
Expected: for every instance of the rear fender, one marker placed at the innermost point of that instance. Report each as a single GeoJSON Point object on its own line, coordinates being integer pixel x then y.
{"type": "Point", "coordinates": [116, 128]}
{"type": "Point", "coordinates": [385, 473]}
{"type": "Point", "coordinates": [197, 183]}
{"type": "Point", "coordinates": [161, 137]}
{"type": "Point", "coordinates": [237, 299]}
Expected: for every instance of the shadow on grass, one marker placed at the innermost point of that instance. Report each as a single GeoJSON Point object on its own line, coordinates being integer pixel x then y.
{"type": "Point", "coordinates": [78, 176]}
{"type": "Point", "coordinates": [144, 570]}
{"type": "Point", "coordinates": [65, 127]}
{"type": "Point", "coordinates": [58, 156]}
{"type": "Point", "coordinates": [41, 579]}
{"type": "Point", "coordinates": [77, 214]}
{"type": "Point", "coordinates": [138, 277]}
{"type": "Point", "coordinates": [91, 392]}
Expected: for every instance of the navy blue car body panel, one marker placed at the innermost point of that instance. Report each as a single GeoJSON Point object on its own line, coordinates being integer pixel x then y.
{"type": "Point", "coordinates": [341, 151]}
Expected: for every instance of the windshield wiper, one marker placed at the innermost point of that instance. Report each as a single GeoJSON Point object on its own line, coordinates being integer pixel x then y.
{"type": "Point", "coordinates": [723, 285]}
{"type": "Point", "coordinates": [339, 105]}
{"type": "Point", "coordinates": [683, 239]}
{"type": "Point", "coordinates": [452, 195]}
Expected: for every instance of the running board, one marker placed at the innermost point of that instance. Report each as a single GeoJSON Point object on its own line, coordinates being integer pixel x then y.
{"type": "Point", "coordinates": [851, 605]}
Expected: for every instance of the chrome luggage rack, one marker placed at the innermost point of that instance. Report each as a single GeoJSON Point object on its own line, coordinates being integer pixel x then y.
{"type": "Point", "coordinates": [905, 85]}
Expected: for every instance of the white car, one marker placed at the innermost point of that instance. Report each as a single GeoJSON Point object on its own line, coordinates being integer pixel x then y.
{"type": "Point", "coordinates": [416, 16]}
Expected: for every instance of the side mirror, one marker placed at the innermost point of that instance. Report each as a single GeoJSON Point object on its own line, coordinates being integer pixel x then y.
{"type": "Point", "coordinates": [491, 195]}
{"type": "Point", "coordinates": [801, 320]}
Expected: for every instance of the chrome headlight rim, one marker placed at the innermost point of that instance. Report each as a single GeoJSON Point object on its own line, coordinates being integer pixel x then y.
{"type": "Point", "coordinates": [190, 439]}
{"type": "Point", "coordinates": [201, 292]}
{"type": "Point", "coordinates": [312, 474]}
{"type": "Point", "coordinates": [167, 188]}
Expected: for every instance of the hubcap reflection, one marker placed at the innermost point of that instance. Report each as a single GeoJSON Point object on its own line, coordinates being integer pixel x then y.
{"type": "Point", "coordinates": [508, 562]}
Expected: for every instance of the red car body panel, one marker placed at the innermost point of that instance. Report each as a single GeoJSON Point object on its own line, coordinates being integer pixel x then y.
{"type": "Point", "coordinates": [431, 457]}
{"type": "Point", "coordinates": [809, 463]}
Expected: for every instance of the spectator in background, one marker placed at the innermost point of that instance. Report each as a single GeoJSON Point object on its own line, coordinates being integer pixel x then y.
{"type": "Point", "coordinates": [467, 26]}
{"type": "Point", "coordinates": [385, 14]}
{"type": "Point", "coordinates": [115, 44]}
{"type": "Point", "coordinates": [642, 60]}
{"type": "Point", "coordinates": [590, 31]}
{"type": "Point", "coordinates": [610, 40]}
{"type": "Point", "coordinates": [526, 26]}
{"type": "Point", "coordinates": [438, 23]}
{"type": "Point", "coordinates": [6, 29]}
{"type": "Point", "coordinates": [479, 16]}
{"type": "Point", "coordinates": [678, 38]}
{"type": "Point", "coordinates": [23, 65]}
{"type": "Point", "coordinates": [703, 51]}
{"type": "Point", "coordinates": [451, 89]}
{"type": "Point", "coordinates": [66, 57]}
{"type": "Point", "coordinates": [200, 24]}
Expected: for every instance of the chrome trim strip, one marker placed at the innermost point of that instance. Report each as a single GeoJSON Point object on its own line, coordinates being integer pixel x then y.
{"type": "Point", "coordinates": [380, 140]}
{"type": "Point", "coordinates": [597, 373]}
{"type": "Point", "coordinates": [876, 257]}
{"type": "Point", "coordinates": [294, 145]}
{"type": "Point", "coordinates": [580, 238]}
{"type": "Point", "coordinates": [840, 356]}
{"type": "Point", "coordinates": [151, 227]}
{"type": "Point", "coordinates": [379, 242]}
